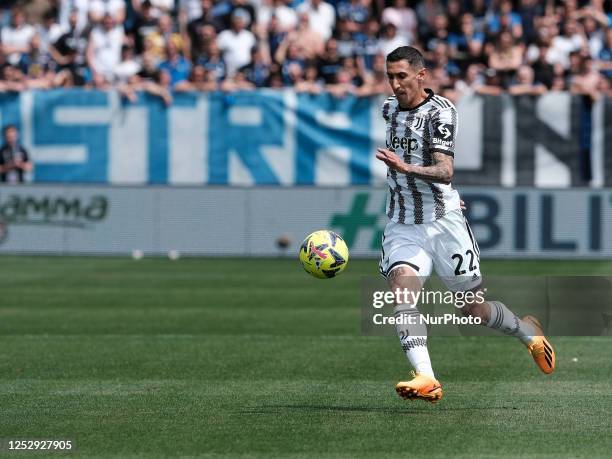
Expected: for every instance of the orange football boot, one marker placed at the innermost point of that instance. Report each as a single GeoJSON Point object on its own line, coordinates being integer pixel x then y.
{"type": "Point", "coordinates": [540, 349]}
{"type": "Point", "coordinates": [420, 387]}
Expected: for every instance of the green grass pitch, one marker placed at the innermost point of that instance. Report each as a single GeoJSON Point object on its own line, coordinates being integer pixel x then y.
{"type": "Point", "coordinates": [253, 358]}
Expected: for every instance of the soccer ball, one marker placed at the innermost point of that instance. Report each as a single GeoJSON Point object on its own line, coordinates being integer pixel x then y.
{"type": "Point", "coordinates": [324, 254]}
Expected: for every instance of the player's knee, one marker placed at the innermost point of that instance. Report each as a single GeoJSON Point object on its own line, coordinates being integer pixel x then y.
{"type": "Point", "coordinates": [475, 310]}
{"type": "Point", "coordinates": [403, 277]}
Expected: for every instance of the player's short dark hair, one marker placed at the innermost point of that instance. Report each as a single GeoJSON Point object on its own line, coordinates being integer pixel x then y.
{"type": "Point", "coordinates": [412, 55]}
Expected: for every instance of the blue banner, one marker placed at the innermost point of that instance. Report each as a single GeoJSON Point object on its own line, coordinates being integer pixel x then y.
{"type": "Point", "coordinates": [281, 138]}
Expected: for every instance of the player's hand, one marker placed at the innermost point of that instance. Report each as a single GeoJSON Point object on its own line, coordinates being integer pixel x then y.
{"type": "Point", "coordinates": [390, 159]}
{"type": "Point", "coordinates": [462, 204]}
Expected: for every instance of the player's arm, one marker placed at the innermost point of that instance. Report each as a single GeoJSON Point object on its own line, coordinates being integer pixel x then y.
{"type": "Point", "coordinates": [441, 171]}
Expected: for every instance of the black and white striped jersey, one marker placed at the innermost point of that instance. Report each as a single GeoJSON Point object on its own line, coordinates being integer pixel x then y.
{"type": "Point", "coordinates": [415, 134]}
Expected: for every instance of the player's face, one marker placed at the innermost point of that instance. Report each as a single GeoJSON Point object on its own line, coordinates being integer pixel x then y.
{"type": "Point", "coordinates": [406, 82]}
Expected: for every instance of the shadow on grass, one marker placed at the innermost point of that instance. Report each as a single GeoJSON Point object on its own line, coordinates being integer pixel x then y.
{"type": "Point", "coordinates": [423, 407]}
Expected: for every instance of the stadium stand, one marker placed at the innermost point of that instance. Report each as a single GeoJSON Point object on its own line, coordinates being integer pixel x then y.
{"type": "Point", "coordinates": [479, 46]}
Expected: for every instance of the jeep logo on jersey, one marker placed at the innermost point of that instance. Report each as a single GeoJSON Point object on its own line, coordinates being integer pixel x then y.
{"type": "Point", "coordinates": [403, 143]}
{"type": "Point", "coordinates": [443, 135]}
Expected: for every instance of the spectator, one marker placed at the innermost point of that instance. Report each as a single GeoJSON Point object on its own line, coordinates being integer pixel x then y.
{"type": "Point", "coordinates": [471, 44]}
{"type": "Point", "coordinates": [587, 80]}
{"type": "Point", "coordinates": [35, 65]}
{"type": "Point", "coordinates": [193, 9]}
{"type": "Point", "coordinates": [149, 71]}
{"type": "Point", "coordinates": [605, 55]}
{"type": "Point", "coordinates": [224, 11]}
{"type": "Point", "coordinates": [369, 44]}
{"type": "Point", "coordinates": [290, 56]}
{"type": "Point", "coordinates": [471, 83]}
{"type": "Point", "coordinates": [310, 83]}
{"type": "Point", "coordinates": [104, 49]}
{"type": "Point", "coordinates": [438, 35]}
{"type": "Point", "coordinates": [525, 84]}
{"type": "Point", "coordinates": [275, 81]}
{"type": "Point", "coordinates": [206, 20]}
{"type": "Point", "coordinates": [49, 31]}
{"type": "Point", "coordinates": [199, 80]}
{"type": "Point", "coordinates": [345, 41]}
{"type": "Point", "coordinates": [342, 85]}
{"type": "Point", "coordinates": [14, 159]}
{"type": "Point", "coordinates": [144, 25]}
{"type": "Point", "coordinates": [492, 85]}
{"type": "Point", "coordinates": [69, 52]}
{"type": "Point", "coordinates": [404, 19]}
{"type": "Point", "coordinates": [258, 71]}
{"type": "Point", "coordinates": [355, 12]}
{"type": "Point", "coordinates": [159, 6]}
{"type": "Point", "coordinates": [529, 11]}
{"type": "Point", "coordinates": [287, 17]}
{"type": "Point", "coordinates": [100, 8]}
{"type": "Point", "coordinates": [206, 35]}
{"type": "Point", "coordinates": [329, 62]}
{"type": "Point", "coordinates": [506, 57]}
{"type": "Point", "coordinates": [238, 82]}
{"type": "Point", "coordinates": [129, 65]}
{"type": "Point", "coordinates": [322, 17]}
{"type": "Point", "coordinates": [468, 42]}
{"type": "Point", "coordinates": [352, 66]}
{"type": "Point", "coordinates": [426, 12]}
{"type": "Point", "coordinates": [440, 59]}
{"type": "Point", "coordinates": [78, 7]}
{"type": "Point", "coordinates": [543, 71]}
{"type": "Point", "coordinates": [274, 35]}
{"type": "Point", "coordinates": [593, 35]}
{"type": "Point", "coordinates": [163, 35]}
{"type": "Point", "coordinates": [293, 73]}
{"type": "Point", "coordinates": [213, 62]}
{"type": "Point", "coordinates": [376, 81]}
{"type": "Point", "coordinates": [175, 64]}
{"type": "Point", "coordinates": [453, 13]}
{"type": "Point", "coordinates": [310, 41]}
{"type": "Point", "coordinates": [390, 40]}
{"type": "Point", "coordinates": [236, 43]}
{"type": "Point", "coordinates": [12, 79]}
{"type": "Point", "coordinates": [17, 36]}
{"type": "Point", "coordinates": [505, 20]}
{"type": "Point", "coordinates": [479, 12]}
{"type": "Point", "coordinates": [563, 45]}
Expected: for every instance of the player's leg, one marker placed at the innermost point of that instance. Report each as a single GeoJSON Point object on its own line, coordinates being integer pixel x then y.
{"type": "Point", "coordinates": [413, 337]}
{"type": "Point", "coordinates": [412, 333]}
{"type": "Point", "coordinates": [406, 266]}
{"type": "Point", "coordinates": [457, 262]}
{"type": "Point", "coordinates": [497, 315]}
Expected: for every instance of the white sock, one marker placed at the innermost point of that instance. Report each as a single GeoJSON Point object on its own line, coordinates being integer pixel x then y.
{"type": "Point", "coordinates": [508, 323]}
{"type": "Point", "coordinates": [413, 338]}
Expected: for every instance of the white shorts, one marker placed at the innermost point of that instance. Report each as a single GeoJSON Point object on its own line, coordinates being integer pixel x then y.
{"type": "Point", "coordinates": [446, 245]}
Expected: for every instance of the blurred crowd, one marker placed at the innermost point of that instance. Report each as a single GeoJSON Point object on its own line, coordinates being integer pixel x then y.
{"type": "Point", "coordinates": [162, 46]}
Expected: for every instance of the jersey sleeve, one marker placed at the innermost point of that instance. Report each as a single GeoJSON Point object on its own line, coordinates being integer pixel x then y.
{"type": "Point", "coordinates": [443, 130]}
{"type": "Point", "coordinates": [386, 108]}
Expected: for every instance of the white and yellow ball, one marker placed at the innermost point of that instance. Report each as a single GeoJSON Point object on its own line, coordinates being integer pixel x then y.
{"type": "Point", "coordinates": [324, 254]}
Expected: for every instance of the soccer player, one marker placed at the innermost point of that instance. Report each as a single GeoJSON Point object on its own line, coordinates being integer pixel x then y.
{"type": "Point", "coordinates": [426, 228]}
